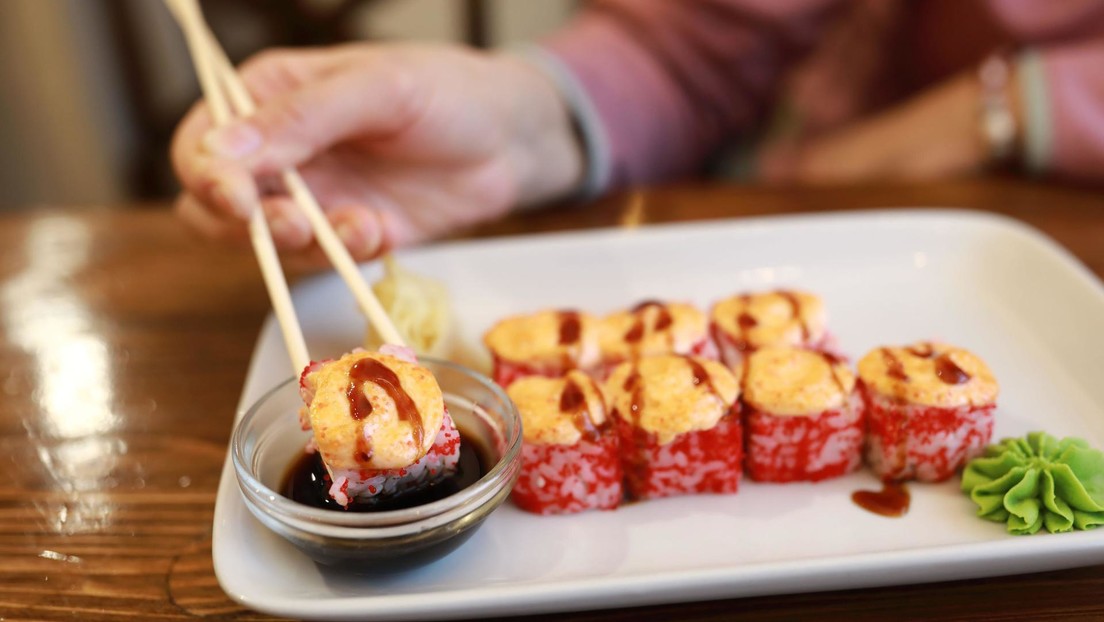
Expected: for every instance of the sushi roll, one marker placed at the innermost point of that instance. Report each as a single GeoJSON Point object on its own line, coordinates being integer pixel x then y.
{"type": "Point", "coordinates": [652, 328]}
{"type": "Point", "coordinates": [929, 410]}
{"type": "Point", "coordinates": [679, 426]}
{"type": "Point", "coordinates": [570, 461]}
{"type": "Point", "coordinates": [379, 423]}
{"type": "Point", "coordinates": [546, 343]}
{"type": "Point", "coordinates": [744, 323]}
{"type": "Point", "coordinates": [804, 417]}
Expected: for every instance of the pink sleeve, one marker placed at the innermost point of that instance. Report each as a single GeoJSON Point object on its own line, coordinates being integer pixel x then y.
{"type": "Point", "coordinates": [1067, 128]}
{"type": "Point", "coordinates": [670, 80]}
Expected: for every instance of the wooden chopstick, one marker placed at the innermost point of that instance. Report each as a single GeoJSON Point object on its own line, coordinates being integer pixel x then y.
{"type": "Point", "coordinates": [215, 59]}
{"type": "Point", "coordinates": [187, 14]}
{"type": "Point", "coordinates": [323, 232]}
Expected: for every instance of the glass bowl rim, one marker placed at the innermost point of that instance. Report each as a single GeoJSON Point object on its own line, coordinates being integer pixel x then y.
{"type": "Point", "coordinates": [375, 521]}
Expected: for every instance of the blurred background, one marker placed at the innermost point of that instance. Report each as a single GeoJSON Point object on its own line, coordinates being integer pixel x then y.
{"type": "Point", "coordinates": [92, 89]}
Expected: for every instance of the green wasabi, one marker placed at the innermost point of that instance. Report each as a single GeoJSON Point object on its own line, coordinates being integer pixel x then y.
{"type": "Point", "coordinates": [1038, 482]}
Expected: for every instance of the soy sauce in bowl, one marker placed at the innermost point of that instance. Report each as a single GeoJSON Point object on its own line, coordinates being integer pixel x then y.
{"type": "Point", "coordinates": [307, 481]}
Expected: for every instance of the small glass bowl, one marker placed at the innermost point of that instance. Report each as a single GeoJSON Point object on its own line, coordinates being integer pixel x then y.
{"type": "Point", "coordinates": [268, 440]}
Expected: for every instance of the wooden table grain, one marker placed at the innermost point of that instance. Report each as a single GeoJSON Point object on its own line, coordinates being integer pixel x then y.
{"type": "Point", "coordinates": [124, 343]}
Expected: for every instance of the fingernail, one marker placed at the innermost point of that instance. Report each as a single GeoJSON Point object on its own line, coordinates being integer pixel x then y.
{"type": "Point", "coordinates": [283, 228]}
{"type": "Point", "coordinates": [233, 141]}
{"type": "Point", "coordinates": [350, 237]}
{"type": "Point", "coordinates": [359, 238]}
{"type": "Point", "coordinates": [231, 198]}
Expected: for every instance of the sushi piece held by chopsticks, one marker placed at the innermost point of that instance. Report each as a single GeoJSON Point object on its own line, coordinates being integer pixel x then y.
{"type": "Point", "coordinates": [378, 418]}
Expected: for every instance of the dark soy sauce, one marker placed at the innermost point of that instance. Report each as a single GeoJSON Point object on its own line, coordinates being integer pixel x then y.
{"type": "Point", "coordinates": [306, 481]}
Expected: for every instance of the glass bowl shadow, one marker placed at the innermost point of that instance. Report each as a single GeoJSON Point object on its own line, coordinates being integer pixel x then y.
{"type": "Point", "coordinates": [268, 440]}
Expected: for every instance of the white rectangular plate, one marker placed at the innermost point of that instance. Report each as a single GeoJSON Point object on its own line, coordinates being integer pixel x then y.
{"type": "Point", "coordinates": [987, 283]}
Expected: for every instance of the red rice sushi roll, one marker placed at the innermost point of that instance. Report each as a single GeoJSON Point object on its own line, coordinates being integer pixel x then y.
{"type": "Point", "coordinates": [546, 343]}
{"type": "Point", "coordinates": [679, 424]}
{"type": "Point", "coordinates": [380, 425]}
{"type": "Point", "coordinates": [569, 460]}
{"type": "Point", "coordinates": [652, 328]}
{"type": "Point", "coordinates": [744, 323]}
{"type": "Point", "coordinates": [804, 418]}
{"type": "Point", "coordinates": [929, 410]}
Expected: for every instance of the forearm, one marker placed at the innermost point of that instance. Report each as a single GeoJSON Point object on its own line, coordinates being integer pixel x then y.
{"type": "Point", "coordinates": [1063, 107]}
{"type": "Point", "coordinates": [669, 82]}
{"type": "Point", "coordinates": [546, 156]}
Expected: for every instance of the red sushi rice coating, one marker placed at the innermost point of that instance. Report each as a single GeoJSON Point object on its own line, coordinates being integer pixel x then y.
{"type": "Point", "coordinates": [564, 479]}
{"type": "Point", "coordinates": [703, 461]}
{"type": "Point", "coordinates": [791, 449]}
{"type": "Point", "coordinates": [506, 372]}
{"type": "Point", "coordinates": [925, 443]}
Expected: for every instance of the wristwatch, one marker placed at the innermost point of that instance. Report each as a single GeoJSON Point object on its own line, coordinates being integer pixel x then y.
{"type": "Point", "coordinates": [996, 119]}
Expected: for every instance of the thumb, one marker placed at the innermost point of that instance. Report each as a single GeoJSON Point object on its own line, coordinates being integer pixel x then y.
{"type": "Point", "coordinates": [292, 129]}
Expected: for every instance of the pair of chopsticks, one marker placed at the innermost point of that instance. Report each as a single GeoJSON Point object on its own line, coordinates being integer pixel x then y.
{"type": "Point", "coordinates": [228, 98]}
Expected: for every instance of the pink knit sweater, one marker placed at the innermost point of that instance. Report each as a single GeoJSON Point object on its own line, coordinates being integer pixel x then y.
{"type": "Point", "coordinates": [666, 83]}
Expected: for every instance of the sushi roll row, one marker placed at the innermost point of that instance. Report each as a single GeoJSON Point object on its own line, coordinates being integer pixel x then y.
{"type": "Point", "coordinates": [660, 426]}
{"type": "Point", "coordinates": [652, 413]}
{"type": "Point", "coordinates": [551, 343]}
{"type": "Point", "coordinates": [917, 412]}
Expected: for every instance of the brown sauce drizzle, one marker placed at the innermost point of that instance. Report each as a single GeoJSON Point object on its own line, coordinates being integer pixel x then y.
{"type": "Point", "coordinates": [894, 368]}
{"type": "Point", "coordinates": [833, 361]}
{"type": "Point", "coordinates": [636, 333]}
{"type": "Point", "coordinates": [635, 388]}
{"type": "Point", "coordinates": [371, 370]}
{"type": "Point", "coordinates": [573, 402]}
{"type": "Point", "coordinates": [702, 377]}
{"type": "Point", "coordinates": [924, 350]}
{"type": "Point", "coordinates": [663, 320]}
{"type": "Point", "coordinates": [795, 312]}
{"type": "Point", "coordinates": [945, 369]}
{"type": "Point", "coordinates": [744, 322]}
{"type": "Point", "coordinates": [948, 372]}
{"type": "Point", "coordinates": [891, 501]}
{"type": "Point", "coordinates": [570, 327]}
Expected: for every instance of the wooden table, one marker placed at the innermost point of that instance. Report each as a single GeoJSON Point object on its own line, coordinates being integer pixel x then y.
{"type": "Point", "coordinates": [123, 350]}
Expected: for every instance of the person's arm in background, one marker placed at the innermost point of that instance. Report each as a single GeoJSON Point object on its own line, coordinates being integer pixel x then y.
{"type": "Point", "coordinates": [659, 85]}
{"type": "Point", "coordinates": [1063, 124]}
{"type": "Point", "coordinates": [1055, 91]}
{"type": "Point", "coordinates": [1061, 80]}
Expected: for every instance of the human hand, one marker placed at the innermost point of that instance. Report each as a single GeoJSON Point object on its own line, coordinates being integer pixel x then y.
{"type": "Point", "coordinates": [931, 136]}
{"type": "Point", "coordinates": [398, 144]}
